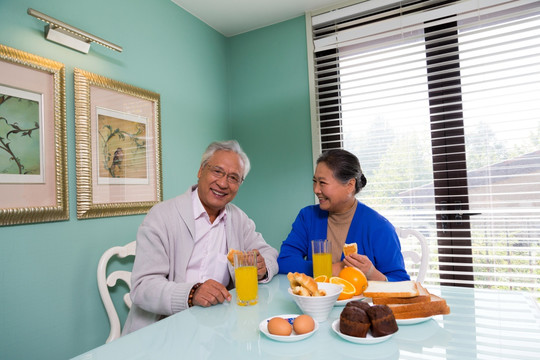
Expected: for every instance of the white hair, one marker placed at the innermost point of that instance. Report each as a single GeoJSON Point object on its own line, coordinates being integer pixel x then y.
{"type": "Point", "coordinates": [230, 145]}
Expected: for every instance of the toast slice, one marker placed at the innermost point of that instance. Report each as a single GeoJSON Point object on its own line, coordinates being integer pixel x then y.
{"type": "Point", "coordinates": [398, 289]}
{"type": "Point", "coordinates": [422, 297]}
{"type": "Point", "coordinates": [436, 306]}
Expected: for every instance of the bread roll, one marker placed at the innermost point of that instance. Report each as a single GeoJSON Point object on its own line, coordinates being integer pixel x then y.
{"type": "Point", "coordinates": [230, 255]}
{"type": "Point", "coordinates": [307, 282]}
{"type": "Point", "coordinates": [349, 249]}
{"type": "Point", "coordinates": [304, 285]}
{"type": "Point", "coordinates": [292, 280]}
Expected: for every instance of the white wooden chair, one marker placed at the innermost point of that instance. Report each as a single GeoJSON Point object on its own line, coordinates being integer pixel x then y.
{"type": "Point", "coordinates": [106, 281]}
{"type": "Point", "coordinates": [421, 259]}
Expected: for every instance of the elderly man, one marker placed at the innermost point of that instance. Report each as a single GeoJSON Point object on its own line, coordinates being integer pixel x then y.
{"type": "Point", "coordinates": [183, 242]}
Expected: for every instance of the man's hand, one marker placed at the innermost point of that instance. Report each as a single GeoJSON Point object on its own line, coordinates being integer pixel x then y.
{"type": "Point", "coordinates": [261, 265]}
{"type": "Point", "coordinates": [211, 293]}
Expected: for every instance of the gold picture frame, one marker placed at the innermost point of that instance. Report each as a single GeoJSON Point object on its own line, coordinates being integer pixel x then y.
{"type": "Point", "coordinates": [118, 147]}
{"type": "Point", "coordinates": [33, 145]}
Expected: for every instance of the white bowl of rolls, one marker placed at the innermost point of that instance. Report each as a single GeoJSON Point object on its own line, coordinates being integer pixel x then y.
{"type": "Point", "coordinates": [318, 301]}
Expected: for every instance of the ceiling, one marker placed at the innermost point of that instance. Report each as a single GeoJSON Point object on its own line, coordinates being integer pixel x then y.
{"type": "Point", "coordinates": [233, 17]}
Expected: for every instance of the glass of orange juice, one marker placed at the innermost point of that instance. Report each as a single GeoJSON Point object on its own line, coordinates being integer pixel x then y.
{"type": "Point", "coordinates": [245, 274]}
{"type": "Point", "coordinates": [322, 258]}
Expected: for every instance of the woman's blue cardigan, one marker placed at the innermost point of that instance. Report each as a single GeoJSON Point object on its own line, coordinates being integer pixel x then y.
{"type": "Point", "coordinates": [374, 234]}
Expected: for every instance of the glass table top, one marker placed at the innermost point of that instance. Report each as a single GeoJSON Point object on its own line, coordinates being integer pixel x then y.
{"type": "Point", "coordinates": [483, 324]}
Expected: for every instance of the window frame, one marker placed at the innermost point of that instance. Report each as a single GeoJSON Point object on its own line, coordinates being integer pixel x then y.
{"type": "Point", "coordinates": [452, 209]}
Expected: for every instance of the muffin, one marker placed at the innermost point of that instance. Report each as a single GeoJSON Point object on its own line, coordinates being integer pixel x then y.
{"type": "Point", "coordinates": [359, 304]}
{"type": "Point", "coordinates": [354, 321]}
{"type": "Point", "coordinates": [382, 320]}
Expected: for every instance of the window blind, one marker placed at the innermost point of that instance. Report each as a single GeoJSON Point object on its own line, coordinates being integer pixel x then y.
{"type": "Point", "coordinates": [439, 101]}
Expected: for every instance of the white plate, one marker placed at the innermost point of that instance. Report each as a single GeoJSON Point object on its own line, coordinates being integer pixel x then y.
{"type": "Point", "coordinates": [263, 327]}
{"type": "Point", "coordinates": [413, 320]}
{"type": "Point", "coordinates": [369, 339]}
{"type": "Point", "coordinates": [344, 302]}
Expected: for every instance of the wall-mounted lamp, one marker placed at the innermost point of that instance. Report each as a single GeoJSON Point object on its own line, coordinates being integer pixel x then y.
{"type": "Point", "coordinates": [68, 35]}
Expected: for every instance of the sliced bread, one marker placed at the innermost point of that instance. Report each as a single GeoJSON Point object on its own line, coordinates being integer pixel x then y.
{"type": "Point", "coordinates": [436, 306]}
{"type": "Point", "coordinates": [377, 289]}
{"type": "Point", "coordinates": [423, 296]}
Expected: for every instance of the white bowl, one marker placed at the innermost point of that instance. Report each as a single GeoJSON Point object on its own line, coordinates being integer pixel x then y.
{"type": "Point", "coordinates": [318, 307]}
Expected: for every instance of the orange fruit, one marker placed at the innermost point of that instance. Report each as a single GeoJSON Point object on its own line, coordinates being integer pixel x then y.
{"type": "Point", "coordinates": [356, 277]}
{"type": "Point", "coordinates": [348, 288]}
{"type": "Point", "coordinates": [321, 278]}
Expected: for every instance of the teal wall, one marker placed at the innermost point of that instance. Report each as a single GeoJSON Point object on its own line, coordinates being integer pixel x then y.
{"type": "Point", "coordinates": [269, 98]}
{"type": "Point", "coordinates": [252, 87]}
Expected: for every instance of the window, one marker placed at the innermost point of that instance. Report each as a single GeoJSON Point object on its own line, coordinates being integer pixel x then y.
{"type": "Point", "coordinates": [439, 101]}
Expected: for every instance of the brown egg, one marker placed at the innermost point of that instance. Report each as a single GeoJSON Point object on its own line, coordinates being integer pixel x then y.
{"type": "Point", "coordinates": [303, 324]}
{"type": "Point", "coordinates": [279, 326]}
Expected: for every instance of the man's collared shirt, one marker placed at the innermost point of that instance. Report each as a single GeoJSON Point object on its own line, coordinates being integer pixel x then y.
{"type": "Point", "coordinates": [209, 257]}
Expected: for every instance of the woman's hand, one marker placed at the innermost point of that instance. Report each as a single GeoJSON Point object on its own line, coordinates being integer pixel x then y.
{"type": "Point", "coordinates": [361, 262]}
{"type": "Point", "coordinates": [365, 265]}
{"type": "Point", "coordinates": [337, 267]}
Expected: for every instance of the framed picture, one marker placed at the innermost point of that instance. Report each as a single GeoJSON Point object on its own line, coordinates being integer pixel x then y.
{"type": "Point", "coordinates": [118, 148]}
{"type": "Point", "coordinates": [33, 155]}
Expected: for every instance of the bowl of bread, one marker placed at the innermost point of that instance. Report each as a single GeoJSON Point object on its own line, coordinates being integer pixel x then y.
{"type": "Point", "coordinates": [315, 299]}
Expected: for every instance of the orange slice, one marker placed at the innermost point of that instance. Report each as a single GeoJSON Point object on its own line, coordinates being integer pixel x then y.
{"type": "Point", "coordinates": [356, 277]}
{"type": "Point", "coordinates": [321, 278]}
{"type": "Point", "coordinates": [348, 289]}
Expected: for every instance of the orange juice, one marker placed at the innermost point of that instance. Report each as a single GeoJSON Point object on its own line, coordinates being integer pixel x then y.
{"type": "Point", "coordinates": [246, 285]}
{"type": "Point", "coordinates": [322, 264]}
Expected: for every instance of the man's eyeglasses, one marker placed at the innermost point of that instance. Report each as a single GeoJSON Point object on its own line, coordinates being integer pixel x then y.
{"type": "Point", "coordinates": [218, 173]}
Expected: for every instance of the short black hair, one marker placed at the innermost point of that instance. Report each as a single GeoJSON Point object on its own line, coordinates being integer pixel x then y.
{"type": "Point", "coordinates": [345, 166]}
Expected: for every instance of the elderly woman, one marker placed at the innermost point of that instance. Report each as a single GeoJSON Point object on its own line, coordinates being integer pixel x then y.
{"type": "Point", "coordinates": [341, 219]}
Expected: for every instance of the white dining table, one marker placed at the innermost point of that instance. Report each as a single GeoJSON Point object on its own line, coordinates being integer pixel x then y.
{"type": "Point", "coordinates": [483, 324]}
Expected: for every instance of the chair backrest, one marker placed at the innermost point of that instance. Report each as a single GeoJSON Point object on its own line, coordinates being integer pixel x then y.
{"type": "Point", "coordinates": [421, 259]}
{"type": "Point", "coordinates": [106, 281]}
